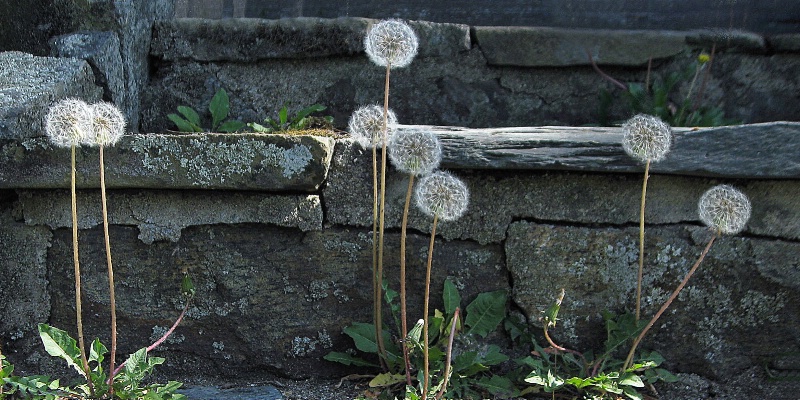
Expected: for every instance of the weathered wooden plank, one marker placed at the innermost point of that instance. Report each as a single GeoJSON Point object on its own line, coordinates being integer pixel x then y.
{"type": "Point", "coordinates": [768, 150]}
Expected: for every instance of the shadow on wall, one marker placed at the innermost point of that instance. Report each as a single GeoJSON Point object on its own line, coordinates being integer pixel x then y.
{"type": "Point", "coordinates": [751, 15]}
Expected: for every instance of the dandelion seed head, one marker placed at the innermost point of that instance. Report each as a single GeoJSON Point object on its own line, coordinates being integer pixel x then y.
{"type": "Point", "coordinates": [442, 195]}
{"type": "Point", "coordinates": [724, 209]}
{"type": "Point", "coordinates": [108, 124]}
{"type": "Point", "coordinates": [391, 43]}
{"type": "Point", "coordinates": [366, 125]}
{"type": "Point", "coordinates": [415, 152]}
{"type": "Point", "coordinates": [646, 137]}
{"type": "Point", "coordinates": [69, 123]}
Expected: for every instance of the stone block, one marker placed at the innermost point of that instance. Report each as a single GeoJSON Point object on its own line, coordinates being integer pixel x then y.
{"type": "Point", "coordinates": [257, 39]}
{"type": "Point", "coordinates": [102, 51]}
{"type": "Point", "coordinates": [558, 47]}
{"type": "Point", "coordinates": [163, 215]}
{"type": "Point", "coordinates": [268, 298]}
{"type": "Point", "coordinates": [30, 84]}
{"type": "Point", "coordinates": [23, 285]}
{"type": "Point", "coordinates": [198, 161]}
{"type": "Point", "coordinates": [786, 43]}
{"type": "Point", "coordinates": [728, 40]}
{"type": "Point", "coordinates": [714, 318]}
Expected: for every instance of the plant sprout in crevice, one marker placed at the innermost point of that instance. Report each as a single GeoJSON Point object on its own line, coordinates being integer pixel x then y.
{"type": "Point", "coordinates": [69, 124]}
{"type": "Point", "coordinates": [108, 128]}
{"type": "Point", "coordinates": [390, 44]}
{"type": "Point", "coordinates": [444, 197]}
{"type": "Point", "coordinates": [647, 139]}
{"type": "Point", "coordinates": [417, 153]}
{"type": "Point", "coordinates": [725, 210]}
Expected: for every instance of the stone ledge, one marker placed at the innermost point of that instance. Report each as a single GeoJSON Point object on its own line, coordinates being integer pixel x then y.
{"type": "Point", "coordinates": [191, 161]}
{"type": "Point", "coordinates": [556, 47]}
{"type": "Point", "coordinates": [763, 151]}
{"type": "Point", "coordinates": [30, 84]}
{"type": "Point", "coordinates": [163, 215]}
{"type": "Point", "coordinates": [247, 40]}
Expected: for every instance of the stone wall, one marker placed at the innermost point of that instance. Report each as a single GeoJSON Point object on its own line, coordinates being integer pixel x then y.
{"type": "Point", "coordinates": [279, 245]}
{"type": "Point", "coordinates": [759, 16]}
{"type": "Point", "coordinates": [276, 230]}
{"type": "Point", "coordinates": [463, 76]}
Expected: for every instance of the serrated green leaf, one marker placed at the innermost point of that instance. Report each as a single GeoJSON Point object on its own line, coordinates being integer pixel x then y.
{"type": "Point", "coordinates": [283, 116]}
{"type": "Point", "coordinates": [58, 343]}
{"type": "Point", "coordinates": [486, 312]}
{"type": "Point", "coordinates": [347, 359]}
{"type": "Point", "coordinates": [386, 379]}
{"type": "Point", "coordinates": [190, 114]}
{"type": "Point", "coordinates": [256, 127]}
{"type": "Point", "coordinates": [498, 386]}
{"type": "Point", "coordinates": [220, 107]}
{"type": "Point", "coordinates": [452, 299]}
{"type": "Point", "coordinates": [493, 356]}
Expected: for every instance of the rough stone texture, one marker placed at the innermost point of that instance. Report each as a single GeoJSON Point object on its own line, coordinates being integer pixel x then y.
{"type": "Point", "coordinates": [268, 298]}
{"type": "Point", "coordinates": [728, 40]}
{"type": "Point", "coordinates": [24, 277]}
{"type": "Point", "coordinates": [719, 311]}
{"type": "Point", "coordinates": [548, 196]}
{"type": "Point", "coordinates": [102, 51]}
{"type": "Point", "coordinates": [460, 86]}
{"type": "Point", "coordinates": [554, 47]}
{"type": "Point", "coordinates": [202, 161]}
{"type": "Point", "coordinates": [789, 42]}
{"type": "Point", "coordinates": [30, 84]}
{"type": "Point", "coordinates": [163, 215]}
{"type": "Point", "coordinates": [250, 40]}
{"type": "Point", "coordinates": [694, 152]}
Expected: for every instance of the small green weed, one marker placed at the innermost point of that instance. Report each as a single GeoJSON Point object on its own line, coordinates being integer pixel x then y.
{"type": "Point", "coordinates": [189, 120]}
{"type": "Point", "coordinates": [466, 374]}
{"type": "Point", "coordinates": [300, 121]}
{"type": "Point", "coordinates": [558, 369]}
{"type": "Point", "coordinates": [661, 99]}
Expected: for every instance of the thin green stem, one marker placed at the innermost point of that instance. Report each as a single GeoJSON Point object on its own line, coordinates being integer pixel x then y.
{"type": "Point", "coordinates": [403, 318]}
{"type": "Point", "coordinates": [427, 375]}
{"type": "Point", "coordinates": [672, 297]}
{"type": "Point", "coordinates": [76, 260]}
{"type": "Point", "coordinates": [641, 242]}
{"type": "Point", "coordinates": [381, 217]}
{"type": "Point", "coordinates": [111, 293]}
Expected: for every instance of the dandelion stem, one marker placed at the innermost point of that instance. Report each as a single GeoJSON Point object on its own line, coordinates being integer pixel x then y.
{"type": "Point", "coordinates": [403, 319]}
{"type": "Point", "coordinates": [78, 311]}
{"type": "Point", "coordinates": [381, 217]}
{"type": "Point", "coordinates": [376, 283]}
{"type": "Point", "coordinates": [112, 295]}
{"type": "Point", "coordinates": [425, 348]}
{"type": "Point", "coordinates": [672, 297]}
{"type": "Point", "coordinates": [641, 242]}
{"type": "Point", "coordinates": [449, 354]}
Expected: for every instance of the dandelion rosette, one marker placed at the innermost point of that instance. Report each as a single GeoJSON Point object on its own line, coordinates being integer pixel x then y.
{"type": "Point", "coordinates": [724, 209]}
{"type": "Point", "coordinates": [646, 138]}
{"type": "Point", "coordinates": [69, 123]}
{"type": "Point", "coordinates": [366, 125]}
{"type": "Point", "coordinates": [415, 152]}
{"type": "Point", "coordinates": [442, 195]}
{"type": "Point", "coordinates": [391, 43]}
{"type": "Point", "coordinates": [108, 124]}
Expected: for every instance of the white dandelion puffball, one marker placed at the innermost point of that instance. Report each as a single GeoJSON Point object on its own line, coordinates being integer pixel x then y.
{"type": "Point", "coordinates": [724, 209]}
{"type": "Point", "coordinates": [69, 123]}
{"type": "Point", "coordinates": [108, 124]}
{"type": "Point", "coordinates": [366, 125]}
{"type": "Point", "coordinates": [646, 138]}
{"type": "Point", "coordinates": [415, 152]}
{"type": "Point", "coordinates": [442, 195]}
{"type": "Point", "coordinates": [391, 43]}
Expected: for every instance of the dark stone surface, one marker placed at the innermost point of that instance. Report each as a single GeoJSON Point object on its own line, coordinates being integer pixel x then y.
{"type": "Point", "coordinates": [198, 161]}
